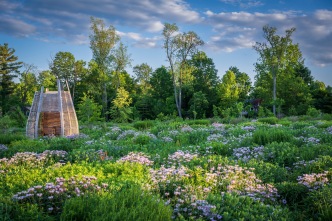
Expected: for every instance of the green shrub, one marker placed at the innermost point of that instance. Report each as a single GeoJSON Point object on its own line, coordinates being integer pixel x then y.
{"type": "Point", "coordinates": [142, 139]}
{"type": "Point", "coordinates": [219, 148]}
{"type": "Point", "coordinates": [129, 203]}
{"type": "Point", "coordinates": [293, 193]}
{"type": "Point", "coordinates": [13, 211]}
{"type": "Point", "coordinates": [8, 138]}
{"type": "Point", "coordinates": [283, 153]}
{"type": "Point", "coordinates": [199, 122]}
{"type": "Point", "coordinates": [27, 146]}
{"type": "Point", "coordinates": [234, 207]}
{"type": "Point", "coordinates": [6, 122]}
{"type": "Point", "coordinates": [263, 137]}
{"type": "Point", "coordinates": [301, 124]}
{"type": "Point", "coordinates": [324, 124]}
{"type": "Point", "coordinates": [268, 120]}
{"type": "Point", "coordinates": [143, 125]}
{"type": "Point", "coordinates": [238, 120]}
{"type": "Point", "coordinates": [327, 117]}
{"type": "Point", "coordinates": [313, 112]}
{"type": "Point", "coordinates": [268, 172]}
{"type": "Point", "coordinates": [320, 202]}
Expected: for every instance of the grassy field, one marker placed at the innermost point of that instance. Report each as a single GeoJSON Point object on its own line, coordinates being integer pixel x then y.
{"type": "Point", "coordinates": [266, 169]}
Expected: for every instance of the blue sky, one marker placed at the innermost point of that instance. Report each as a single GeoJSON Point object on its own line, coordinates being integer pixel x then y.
{"type": "Point", "coordinates": [38, 29]}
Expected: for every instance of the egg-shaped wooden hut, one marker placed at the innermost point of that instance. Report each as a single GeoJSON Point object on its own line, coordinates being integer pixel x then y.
{"type": "Point", "coordinates": [52, 114]}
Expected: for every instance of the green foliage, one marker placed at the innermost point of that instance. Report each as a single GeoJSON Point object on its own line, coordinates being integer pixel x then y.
{"type": "Point", "coordinates": [228, 90]}
{"type": "Point", "coordinates": [198, 105]}
{"type": "Point", "coordinates": [128, 203]}
{"type": "Point", "coordinates": [14, 211]}
{"type": "Point", "coordinates": [120, 111]}
{"type": "Point", "coordinates": [17, 115]}
{"type": "Point", "coordinates": [281, 153]}
{"type": "Point", "coordinates": [199, 122]}
{"type": "Point", "coordinates": [142, 139]}
{"type": "Point", "coordinates": [262, 137]}
{"type": "Point", "coordinates": [268, 120]}
{"type": "Point", "coordinates": [321, 203]}
{"type": "Point", "coordinates": [88, 110]}
{"type": "Point", "coordinates": [268, 172]}
{"type": "Point", "coordinates": [234, 207]}
{"type": "Point", "coordinates": [9, 67]}
{"type": "Point", "coordinates": [143, 125]}
{"type": "Point", "coordinates": [293, 193]}
{"type": "Point", "coordinates": [7, 122]}
{"type": "Point", "coordinates": [313, 112]}
{"type": "Point", "coordinates": [9, 138]}
{"type": "Point", "coordinates": [26, 145]}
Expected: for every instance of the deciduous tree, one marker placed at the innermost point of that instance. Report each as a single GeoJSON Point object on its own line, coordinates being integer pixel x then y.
{"type": "Point", "coordinates": [179, 47]}
{"type": "Point", "coordinates": [102, 40]}
{"type": "Point", "coordinates": [273, 54]}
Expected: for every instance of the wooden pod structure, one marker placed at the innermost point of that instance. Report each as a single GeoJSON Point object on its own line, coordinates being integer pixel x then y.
{"type": "Point", "coordinates": [52, 114]}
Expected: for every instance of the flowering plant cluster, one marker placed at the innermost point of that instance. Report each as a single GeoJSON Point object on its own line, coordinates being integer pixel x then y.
{"type": "Point", "coordinates": [309, 139]}
{"type": "Point", "coordinates": [314, 181]}
{"type": "Point", "coordinates": [215, 137]}
{"type": "Point", "coordinates": [126, 134]}
{"type": "Point", "coordinates": [303, 163]}
{"type": "Point", "coordinates": [147, 134]}
{"type": "Point", "coordinates": [167, 139]}
{"type": "Point", "coordinates": [139, 157]}
{"type": "Point", "coordinates": [34, 159]}
{"type": "Point", "coordinates": [246, 153]}
{"type": "Point", "coordinates": [186, 128]}
{"type": "Point", "coordinates": [184, 199]}
{"type": "Point", "coordinates": [163, 174]}
{"type": "Point", "coordinates": [249, 128]}
{"type": "Point", "coordinates": [218, 126]}
{"type": "Point", "coordinates": [329, 130]}
{"type": "Point", "coordinates": [77, 136]}
{"type": "Point", "coordinates": [180, 157]}
{"type": "Point", "coordinates": [3, 147]}
{"type": "Point", "coordinates": [241, 181]}
{"type": "Point", "coordinates": [52, 196]}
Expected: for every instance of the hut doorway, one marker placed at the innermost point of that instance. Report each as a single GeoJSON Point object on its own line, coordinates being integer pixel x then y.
{"type": "Point", "coordinates": [50, 124]}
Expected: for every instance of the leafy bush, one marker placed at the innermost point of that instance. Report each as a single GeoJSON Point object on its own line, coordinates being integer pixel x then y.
{"type": "Point", "coordinates": [293, 193]}
{"type": "Point", "coordinates": [263, 137]}
{"type": "Point", "coordinates": [283, 153]}
{"type": "Point", "coordinates": [268, 120]}
{"type": "Point", "coordinates": [199, 122]}
{"type": "Point", "coordinates": [6, 122]}
{"type": "Point", "coordinates": [234, 207]}
{"type": "Point", "coordinates": [8, 138]}
{"type": "Point", "coordinates": [143, 125]}
{"type": "Point", "coordinates": [313, 112]}
{"type": "Point", "coordinates": [142, 139]}
{"type": "Point", "coordinates": [321, 203]}
{"type": "Point", "coordinates": [27, 146]}
{"type": "Point", "coordinates": [128, 203]}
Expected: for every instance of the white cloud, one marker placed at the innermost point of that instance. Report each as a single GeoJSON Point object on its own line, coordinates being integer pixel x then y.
{"type": "Point", "coordinates": [236, 30]}
{"type": "Point", "coordinates": [244, 3]}
{"type": "Point", "coordinates": [16, 27]}
{"type": "Point", "coordinates": [67, 19]}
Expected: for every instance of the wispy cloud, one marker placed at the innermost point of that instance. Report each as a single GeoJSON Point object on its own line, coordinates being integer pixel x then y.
{"type": "Point", "coordinates": [236, 30]}
{"type": "Point", "coordinates": [70, 19]}
{"type": "Point", "coordinates": [244, 3]}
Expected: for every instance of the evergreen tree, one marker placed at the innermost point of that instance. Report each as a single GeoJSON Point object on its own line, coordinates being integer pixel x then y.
{"type": "Point", "coordinates": [9, 68]}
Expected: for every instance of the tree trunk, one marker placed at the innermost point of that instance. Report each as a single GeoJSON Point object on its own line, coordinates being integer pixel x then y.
{"type": "Point", "coordinates": [104, 98]}
{"type": "Point", "coordinates": [274, 90]}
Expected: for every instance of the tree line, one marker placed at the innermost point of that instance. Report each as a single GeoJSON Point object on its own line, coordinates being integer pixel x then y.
{"type": "Point", "coordinates": [189, 87]}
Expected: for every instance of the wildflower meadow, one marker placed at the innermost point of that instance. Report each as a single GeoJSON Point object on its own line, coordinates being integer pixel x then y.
{"type": "Point", "coordinates": [208, 169]}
